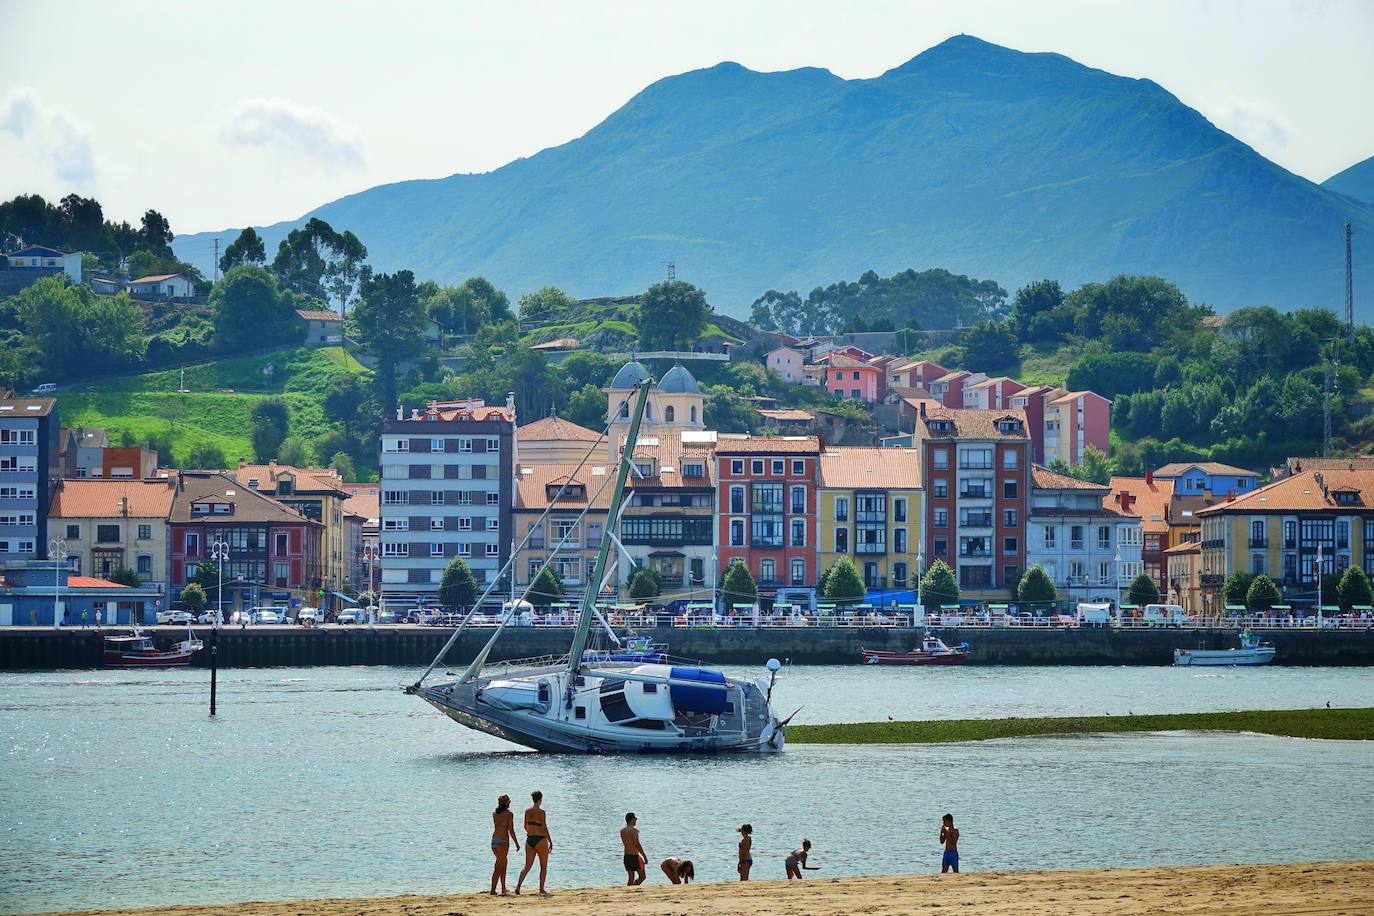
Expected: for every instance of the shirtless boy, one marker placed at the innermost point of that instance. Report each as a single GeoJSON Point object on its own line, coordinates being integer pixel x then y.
{"type": "Point", "coordinates": [635, 858]}
{"type": "Point", "coordinates": [949, 835]}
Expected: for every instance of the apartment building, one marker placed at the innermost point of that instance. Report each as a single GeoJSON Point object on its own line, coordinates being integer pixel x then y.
{"type": "Point", "coordinates": [870, 511]}
{"type": "Point", "coordinates": [319, 494]}
{"type": "Point", "coordinates": [110, 525]}
{"type": "Point", "coordinates": [1075, 420]}
{"type": "Point", "coordinates": [991, 393]}
{"type": "Point", "coordinates": [30, 469]}
{"type": "Point", "coordinates": [766, 511]}
{"type": "Point", "coordinates": [1147, 499]}
{"type": "Point", "coordinates": [786, 363]}
{"type": "Point", "coordinates": [1209, 478]}
{"type": "Point", "coordinates": [976, 469]}
{"type": "Point", "coordinates": [447, 490]}
{"type": "Point", "coordinates": [565, 537]}
{"type": "Point", "coordinates": [1090, 549]}
{"type": "Point", "coordinates": [668, 523]}
{"type": "Point", "coordinates": [949, 388]}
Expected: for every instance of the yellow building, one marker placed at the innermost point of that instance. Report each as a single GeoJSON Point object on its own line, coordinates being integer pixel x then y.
{"type": "Point", "coordinates": [871, 511]}
{"type": "Point", "coordinates": [319, 494]}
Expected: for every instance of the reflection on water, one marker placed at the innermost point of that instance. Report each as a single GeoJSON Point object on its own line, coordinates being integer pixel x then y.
{"type": "Point", "coordinates": [319, 782]}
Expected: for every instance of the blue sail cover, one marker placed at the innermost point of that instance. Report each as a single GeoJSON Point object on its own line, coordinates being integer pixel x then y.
{"type": "Point", "coordinates": [708, 698]}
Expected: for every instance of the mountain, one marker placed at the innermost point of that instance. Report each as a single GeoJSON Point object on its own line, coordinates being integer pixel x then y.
{"type": "Point", "coordinates": [970, 156]}
{"type": "Point", "coordinates": [1356, 181]}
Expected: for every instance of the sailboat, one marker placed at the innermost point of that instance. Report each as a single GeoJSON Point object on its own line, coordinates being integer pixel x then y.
{"type": "Point", "coordinates": [592, 703]}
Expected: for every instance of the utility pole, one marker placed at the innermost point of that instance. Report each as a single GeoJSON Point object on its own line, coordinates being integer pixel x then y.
{"type": "Point", "coordinates": [1349, 290]}
{"type": "Point", "coordinates": [1347, 230]}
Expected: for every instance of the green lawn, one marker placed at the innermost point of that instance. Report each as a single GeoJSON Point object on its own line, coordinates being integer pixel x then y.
{"type": "Point", "coordinates": [1345, 724]}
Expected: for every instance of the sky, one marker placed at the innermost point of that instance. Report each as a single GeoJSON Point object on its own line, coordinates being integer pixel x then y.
{"type": "Point", "coordinates": [228, 114]}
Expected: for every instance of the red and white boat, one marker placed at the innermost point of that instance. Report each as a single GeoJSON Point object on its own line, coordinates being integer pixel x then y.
{"type": "Point", "coordinates": [932, 651]}
{"type": "Point", "coordinates": [139, 651]}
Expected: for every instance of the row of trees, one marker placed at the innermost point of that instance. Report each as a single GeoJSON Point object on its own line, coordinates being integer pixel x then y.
{"type": "Point", "coordinates": [1346, 590]}
{"type": "Point", "coordinates": [78, 223]}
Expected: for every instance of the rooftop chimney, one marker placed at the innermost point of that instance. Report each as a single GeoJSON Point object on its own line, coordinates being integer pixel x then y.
{"type": "Point", "coordinates": [1149, 478]}
{"type": "Point", "coordinates": [243, 462]}
{"type": "Point", "coordinates": [400, 412]}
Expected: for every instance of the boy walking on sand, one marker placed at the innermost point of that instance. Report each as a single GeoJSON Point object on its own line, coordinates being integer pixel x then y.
{"type": "Point", "coordinates": [635, 857]}
{"type": "Point", "coordinates": [949, 835]}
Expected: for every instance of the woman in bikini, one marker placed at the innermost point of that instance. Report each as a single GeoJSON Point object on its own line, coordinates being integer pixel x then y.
{"type": "Point", "coordinates": [796, 861]}
{"type": "Point", "coordinates": [679, 871]}
{"type": "Point", "coordinates": [502, 835]}
{"type": "Point", "coordinates": [538, 843]}
{"type": "Point", "coordinates": [746, 855]}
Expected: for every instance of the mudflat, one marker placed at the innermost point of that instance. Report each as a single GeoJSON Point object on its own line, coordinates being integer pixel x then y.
{"type": "Point", "coordinates": [1310, 889]}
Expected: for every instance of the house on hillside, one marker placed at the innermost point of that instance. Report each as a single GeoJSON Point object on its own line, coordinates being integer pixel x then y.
{"type": "Point", "coordinates": [162, 286]}
{"type": "Point", "coordinates": [323, 328]}
{"type": "Point", "coordinates": [786, 363]}
{"type": "Point", "coordinates": [27, 266]}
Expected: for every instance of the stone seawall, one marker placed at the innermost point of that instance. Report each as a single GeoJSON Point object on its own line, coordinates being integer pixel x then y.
{"type": "Point", "coordinates": [256, 647]}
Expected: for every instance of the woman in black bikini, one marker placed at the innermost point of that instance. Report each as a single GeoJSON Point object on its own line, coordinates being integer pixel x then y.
{"type": "Point", "coordinates": [746, 855]}
{"type": "Point", "coordinates": [538, 843]}
{"type": "Point", "coordinates": [502, 835]}
{"type": "Point", "coordinates": [796, 861]}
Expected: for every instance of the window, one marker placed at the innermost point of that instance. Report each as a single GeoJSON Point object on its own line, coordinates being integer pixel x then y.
{"type": "Point", "coordinates": [798, 500]}
{"type": "Point", "coordinates": [436, 524]}
{"type": "Point", "coordinates": [464, 444]}
{"type": "Point", "coordinates": [940, 546]}
{"type": "Point", "coordinates": [1076, 537]}
{"type": "Point", "coordinates": [493, 524]}
{"type": "Point", "coordinates": [798, 532]}
{"type": "Point", "coordinates": [465, 524]}
{"type": "Point", "coordinates": [975, 518]}
{"type": "Point", "coordinates": [798, 572]}
{"type": "Point", "coordinates": [1104, 537]}
{"type": "Point", "coordinates": [842, 540]}
{"type": "Point", "coordinates": [669, 414]}
{"type": "Point", "coordinates": [436, 550]}
{"type": "Point", "coordinates": [73, 532]}
{"type": "Point", "coordinates": [898, 573]}
{"type": "Point", "coordinates": [145, 532]}
{"type": "Point", "coordinates": [841, 508]}
{"type": "Point", "coordinates": [940, 459]}
{"type": "Point", "coordinates": [1257, 564]}
{"type": "Point", "coordinates": [736, 532]}
{"type": "Point", "coordinates": [624, 410]}
{"type": "Point", "coordinates": [436, 445]}
{"type": "Point", "coordinates": [899, 540]}
{"type": "Point", "coordinates": [975, 547]}
{"type": "Point", "coordinates": [1050, 532]}
{"type": "Point", "coordinates": [1290, 535]}
{"type": "Point", "coordinates": [766, 531]}
{"type": "Point", "coordinates": [778, 465]}
{"type": "Point", "coordinates": [855, 393]}
{"type": "Point", "coordinates": [192, 544]}
{"type": "Point", "coordinates": [1009, 518]}
{"type": "Point", "coordinates": [436, 497]}
{"type": "Point", "coordinates": [1342, 533]}
{"type": "Point", "coordinates": [393, 549]}
{"type": "Point", "coordinates": [767, 499]}
{"type": "Point", "coordinates": [1010, 489]}
{"type": "Point", "coordinates": [939, 489]}
{"type": "Point", "coordinates": [737, 499]}
{"type": "Point", "coordinates": [941, 518]}
{"type": "Point", "coordinates": [768, 571]}
{"type": "Point", "coordinates": [798, 468]}
{"type": "Point", "coordinates": [395, 497]}
{"type": "Point", "coordinates": [855, 377]}
{"type": "Point", "coordinates": [1009, 546]}
{"type": "Point", "coordinates": [107, 534]}
{"type": "Point", "coordinates": [737, 466]}
{"type": "Point", "coordinates": [493, 499]}
{"type": "Point", "coordinates": [975, 459]}
{"type": "Point", "coordinates": [693, 469]}
{"type": "Point", "coordinates": [144, 565]}
{"type": "Point", "coordinates": [493, 444]}
{"type": "Point", "coordinates": [756, 466]}
{"type": "Point", "coordinates": [975, 488]}
{"type": "Point", "coordinates": [281, 571]}
{"type": "Point", "coordinates": [899, 509]}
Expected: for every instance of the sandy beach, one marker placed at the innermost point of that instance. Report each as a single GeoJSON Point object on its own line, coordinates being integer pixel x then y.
{"type": "Point", "coordinates": [1325, 888]}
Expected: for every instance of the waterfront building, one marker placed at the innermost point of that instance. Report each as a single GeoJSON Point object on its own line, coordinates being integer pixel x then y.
{"type": "Point", "coordinates": [675, 404]}
{"type": "Point", "coordinates": [668, 523]}
{"type": "Point", "coordinates": [447, 490]}
{"type": "Point", "coordinates": [364, 503]}
{"type": "Point", "coordinates": [553, 440]}
{"type": "Point", "coordinates": [1298, 464]}
{"type": "Point", "coordinates": [870, 511]}
{"type": "Point", "coordinates": [1183, 576]}
{"type": "Point", "coordinates": [1147, 499]}
{"type": "Point", "coordinates": [274, 550]}
{"type": "Point", "coordinates": [571, 543]}
{"type": "Point", "coordinates": [1208, 478]}
{"type": "Point", "coordinates": [1089, 548]}
{"type": "Point", "coordinates": [32, 591]}
{"type": "Point", "coordinates": [976, 468]}
{"type": "Point", "coordinates": [30, 468]}
{"type": "Point", "coordinates": [766, 511]}
{"type": "Point", "coordinates": [109, 525]}
{"type": "Point", "coordinates": [318, 493]}
{"type": "Point", "coordinates": [1294, 530]}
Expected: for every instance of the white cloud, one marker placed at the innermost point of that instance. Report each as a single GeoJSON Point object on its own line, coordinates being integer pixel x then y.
{"type": "Point", "coordinates": [283, 126]}
{"type": "Point", "coordinates": [1256, 123]}
{"type": "Point", "coordinates": [49, 140]}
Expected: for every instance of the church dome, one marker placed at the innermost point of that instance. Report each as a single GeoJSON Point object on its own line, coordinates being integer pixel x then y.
{"type": "Point", "coordinates": [678, 381]}
{"type": "Point", "coordinates": [630, 374]}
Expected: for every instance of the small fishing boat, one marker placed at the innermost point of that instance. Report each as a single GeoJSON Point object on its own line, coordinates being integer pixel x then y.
{"type": "Point", "coordinates": [1251, 652]}
{"type": "Point", "coordinates": [139, 651]}
{"type": "Point", "coordinates": [932, 651]}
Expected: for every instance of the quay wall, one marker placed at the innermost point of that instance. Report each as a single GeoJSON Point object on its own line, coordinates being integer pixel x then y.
{"type": "Point", "coordinates": [29, 648]}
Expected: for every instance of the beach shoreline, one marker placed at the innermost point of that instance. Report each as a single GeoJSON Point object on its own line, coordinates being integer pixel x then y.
{"type": "Point", "coordinates": [1307, 888]}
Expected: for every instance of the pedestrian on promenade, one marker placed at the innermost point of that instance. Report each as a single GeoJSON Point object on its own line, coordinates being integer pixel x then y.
{"type": "Point", "coordinates": [678, 870]}
{"type": "Point", "coordinates": [746, 851]}
{"type": "Point", "coordinates": [949, 835]}
{"type": "Point", "coordinates": [97, 618]}
{"type": "Point", "coordinates": [502, 835]}
{"type": "Point", "coordinates": [83, 619]}
{"type": "Point", "coordinates": [635, 858]}
{"type": "Point", "coordinates": [796, 861]}
{"type": "Point", "coordinates": [538, 842]}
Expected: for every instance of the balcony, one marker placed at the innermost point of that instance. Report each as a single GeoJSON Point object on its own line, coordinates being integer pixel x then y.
{"type": "Point", "coordinates": [1211, 578]}
{"type": "Point", "coordinates": [975, 553]}
{"type": "Point", "coordinates": [1214, 544]}
{"type": "Point", "coordinates": [1259, 542]}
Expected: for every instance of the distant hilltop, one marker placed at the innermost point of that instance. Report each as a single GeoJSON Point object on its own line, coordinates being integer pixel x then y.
{"type": "Point", "coordinates": [970, 156]}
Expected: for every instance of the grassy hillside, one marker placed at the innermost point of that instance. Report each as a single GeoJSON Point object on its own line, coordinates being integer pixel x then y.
{"type": "Point", "coordinates": [215, 409]}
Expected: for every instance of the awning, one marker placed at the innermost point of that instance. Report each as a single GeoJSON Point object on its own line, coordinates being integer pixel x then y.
{"type": "Point", "coordinates": [658, 554]}
{"type": "Point", "coordinates": [342, 597]}
{"type": "Point", "coordinates": [1236, 607]}
{"type": "Point", "coordinates": [1329, 607]}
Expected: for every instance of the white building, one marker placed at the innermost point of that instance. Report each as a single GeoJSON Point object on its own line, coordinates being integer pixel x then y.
{"type": "Point", "coordinates": [786, 363]}
{"type": "Point", "coordinates": [162, 286]}
{"type": "Point", "coordinates": [1089, 551]}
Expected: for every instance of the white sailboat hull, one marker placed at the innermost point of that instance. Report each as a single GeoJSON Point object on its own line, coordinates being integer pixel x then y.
{"type": "Point", "coordinates": [1259, 655]}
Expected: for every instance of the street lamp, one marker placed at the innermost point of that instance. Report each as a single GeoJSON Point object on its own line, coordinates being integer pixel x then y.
{"type": "Point", "coordinates": [58, 548]}
{"type": "Point", "coordinates": [920, 566]}
{"type": "Point", "coordinates": [219, 551]}
{"type": "Point", "coordinates": [370, 554]}
{"type": "Point", "coordinates": [1117, 561]}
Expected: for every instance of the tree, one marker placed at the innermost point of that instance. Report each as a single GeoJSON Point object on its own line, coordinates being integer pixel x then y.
{"type": "Point", "coordinates": [125, 576]}
{"type": "Point", "coordinates": [644, 584]}
{"type": "Point", "coordinates": [1354, 590]}
{"type": "Point", "coordinates": [1114, 373]}
{"type": "Point", "coordinates": [737, 586]}
{"type": "Point", "coordinates": [193, 596]}
{"type": "Point", "coordinates": [1236, 588]}
{"type": "Point", "coordinates": [1036, 586]}
{"type": "Point", "coordinates": [587, 407]}
{"type": "Point", "coordinates": [343, 400]}
{"type": "Point", "coordinates": [1143, 591]}
{"type": "Point", "coordinates": [345, 268]}
{"type": "Point", "coordinates": [546, 304]}
{"type": "Point", "coordinates": [205, 455]}
{"type": "Point", "coordinates": [1263, 594]}
{"type": "Point", "coordinates": [300, 264]}
{"type": "Point", "coordinates": [843, 582]}
{"type": "Point", "coordinates": [938, 587]}
{"type": "Point", "coordinates": [546, 588]}
{"type": "Point", "coordinates": [156, 234]}
{"type": "Point", "coordinates": [1033, 300]}
{"type": "Point", "coordinates": [671, 316]}
{"type": "Point", "coordinates": [246, 249]}
{"type": "Point", "coordinates": [389, 318]}
{"type": "Point", "coordinates": [268, 423]}
{"type": "Point", "coordinates": [458, 586]}
{"type": "Point", "coordinates": [343, 463]}
{"type": "Point", "coordinates": [293, 452]}
{"type": "Point", "coordinates": [251, 311]}
{"type": "Point", "coordinates": [1093, 467]}
{"type": "Point", "coordinates": [992, 346]}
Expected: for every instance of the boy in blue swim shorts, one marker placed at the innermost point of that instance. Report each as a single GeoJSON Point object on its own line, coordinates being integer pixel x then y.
{"type": "Point", "coordinates": [949, 835]}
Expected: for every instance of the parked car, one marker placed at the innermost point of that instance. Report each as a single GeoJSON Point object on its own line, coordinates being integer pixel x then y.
{"type": "Point", "coordinates": [165, 616]}
{"type": "Point", "coordinates": [1164, 615]}
{"type": "Point", "coordinates": [180, 618]}
{"type": "Point", "coordinates": [46, 388]}
{"type": "Point", "coordinates": [310, 616]}
{"type": "Point", "coordinates": [386, 617]}
{"type": "Point", "coordinates": [349, 615]}
{"type": "Point", "coordinates": [207, 616]}
{"type": "Point", "coordinates": [267, 615]}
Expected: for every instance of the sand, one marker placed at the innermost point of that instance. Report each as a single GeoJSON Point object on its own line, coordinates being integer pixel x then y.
{"type": "Point", "coordinates": [1325, 888]}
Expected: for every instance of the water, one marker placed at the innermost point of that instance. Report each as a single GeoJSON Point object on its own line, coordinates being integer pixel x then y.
{"type": "Point", "coordinates": [118, 790]}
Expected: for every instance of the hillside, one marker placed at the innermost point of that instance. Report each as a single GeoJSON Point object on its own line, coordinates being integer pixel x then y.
{"type": "Point", "coordinates": [1356, 181]}
{"type": "Point", "coordinates": [970, 156]}
{"type": "Point", "coordinates": [216, 407]}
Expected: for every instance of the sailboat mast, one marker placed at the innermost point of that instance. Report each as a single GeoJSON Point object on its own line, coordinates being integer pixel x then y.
{"type": "Point", "coordinates": [587, 615]}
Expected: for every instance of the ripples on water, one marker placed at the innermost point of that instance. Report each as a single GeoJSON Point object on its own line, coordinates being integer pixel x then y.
{"type": "Point", "coordinates": [328, 781]}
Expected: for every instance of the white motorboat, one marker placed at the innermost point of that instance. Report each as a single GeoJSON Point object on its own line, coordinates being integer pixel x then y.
{"type": "Point", "coordinates": [607, 702]}
{"type": "Point", "coordinates": [1251, 652]}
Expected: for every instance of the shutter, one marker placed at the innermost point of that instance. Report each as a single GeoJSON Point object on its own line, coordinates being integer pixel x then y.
{"type": "Point", "coordinates": [294, 542]}
{"type": "Point", "coordinates": [295, 573]}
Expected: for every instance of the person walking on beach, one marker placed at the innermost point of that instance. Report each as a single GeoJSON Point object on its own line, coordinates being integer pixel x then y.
{"type": "Point", "coordinates": [796, 861]}
{"type": "Point", "coordinates": [635, 858]}
{"type": "Point", "coordinates": [502, 835]}
{"type": "Point", "coordinates": [949, 835]}
{"type": "Point", "coordinates": [746, 851]}
{"type": "Point", "coordinates": [538, 843]}
{"type": "Point", "coordinates": [678, 870]}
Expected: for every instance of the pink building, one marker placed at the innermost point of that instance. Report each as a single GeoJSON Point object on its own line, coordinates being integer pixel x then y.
{"type": "Point", "coordinates": [991, 393]}
{"type": "Point", "coordinates": [1075, 420]}
{"type": "Point", "coordinates": [1033, 401]}
{"type": "Point", "coordinates": [948, 389]}
{"type": "Point", "coordinates": [847, 377]}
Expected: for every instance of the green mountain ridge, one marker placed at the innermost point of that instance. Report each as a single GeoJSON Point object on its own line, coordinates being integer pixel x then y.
{"type": "Point", "coordinates": [970, 156]}
{"type": "Point", "coordinates": [1356, 181]}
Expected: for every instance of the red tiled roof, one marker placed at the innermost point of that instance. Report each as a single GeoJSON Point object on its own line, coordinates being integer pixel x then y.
{"type": "Point", "coordinates": [972, 423]}
{"type": "Point", "coordinates": [91, 582]}
{"type": "Point", "coordinates": [307, 480]}
{"type": "Point", "coordinates": [533, 482]}
{"type": "Point", "coordinates": [729, 444]}
{"type": "Point", "coordinates": [1305, 492]}
{"type": "Point", "coordinates": [558, 429]}
{"type": "Point", "coordinates": [156, 278]}
{"type": "Point", "coordinates": [864, 467]}
{"type": "Point", "coordinates": [92, 498]}
{"type": "Point", "coordinates": [319, 315]}
{"type": "Point", "coordinates": [1151, 503]}
{"type": "Point", "coordinates": [1045, 479]}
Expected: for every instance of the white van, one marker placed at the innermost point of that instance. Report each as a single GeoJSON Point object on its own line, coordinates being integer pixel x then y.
{"type": "Point", "coordinates": [1093, 614]}
{"type": "Point", "coordinates": [1164, 615]}
{"type": "Point", "coordinates": [46, 388]}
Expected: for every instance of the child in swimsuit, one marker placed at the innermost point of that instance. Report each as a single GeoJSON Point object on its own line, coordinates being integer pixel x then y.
{"type": "Point", "coordinates": [796, 861]}
{"type": "Point", "coordinates": [746, 857]}
{"type": "Point", "coordinates": [949, 835]}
